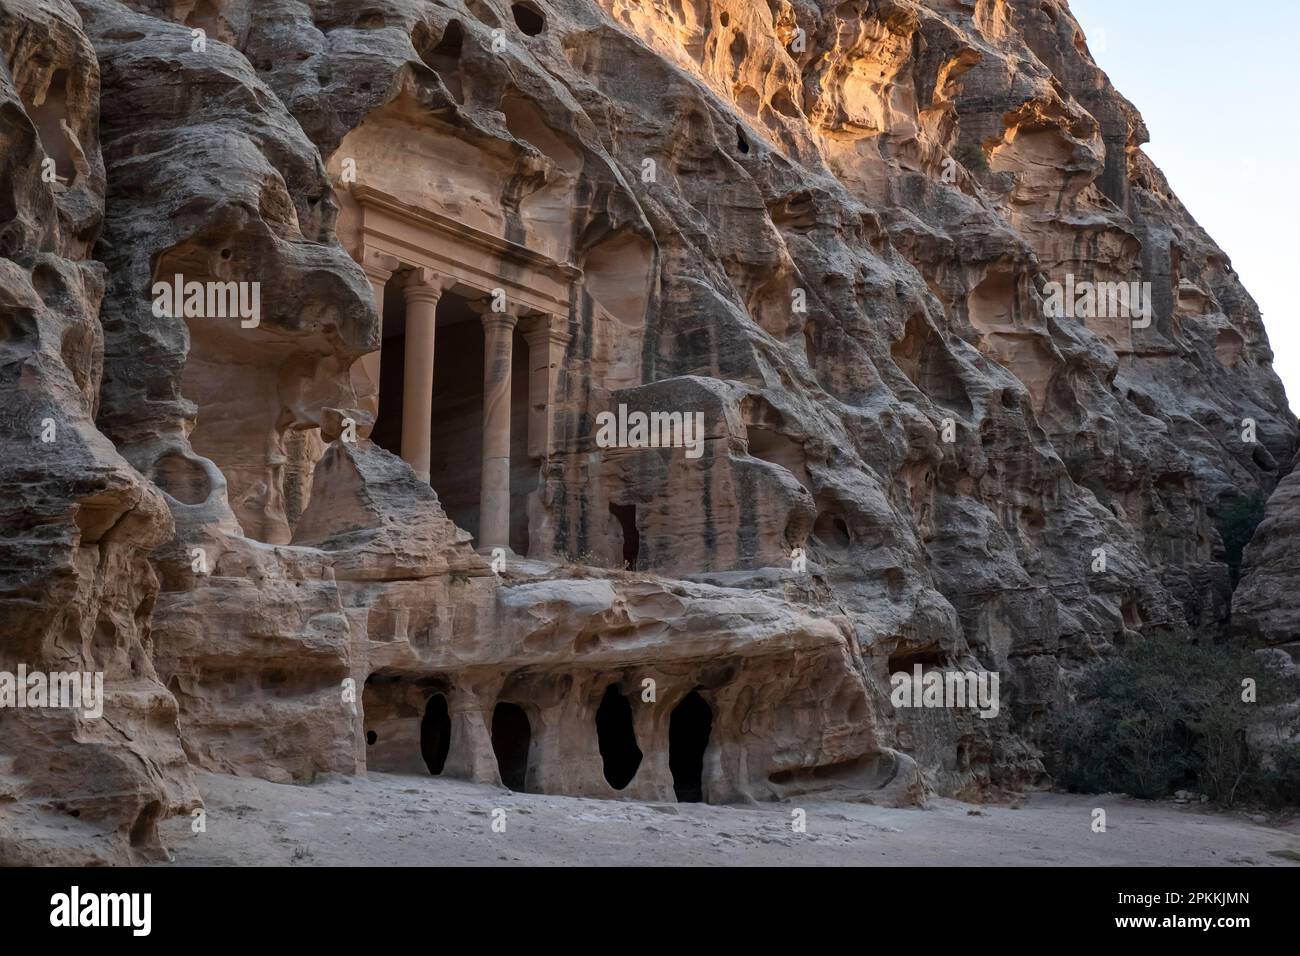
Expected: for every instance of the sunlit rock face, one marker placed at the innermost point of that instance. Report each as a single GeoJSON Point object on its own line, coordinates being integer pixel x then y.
{"type": "Point", "coordinates": [954, 383]}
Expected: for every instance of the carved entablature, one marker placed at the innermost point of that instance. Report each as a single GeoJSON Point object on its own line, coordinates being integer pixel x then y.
{"type": "Point", "coordinates": [474, 262]}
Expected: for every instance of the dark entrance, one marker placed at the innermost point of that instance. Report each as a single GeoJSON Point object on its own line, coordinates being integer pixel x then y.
{"type": "Point", "coordinates": [688, 736]}
{"type": "Point", "coordinates": [435, 733]}
{"type": "Point", "coordinates": [626, 517]}
{"type": "Point", "coordinates": [614, 731]}
{"type": "Point", "coordinates": [511, 737]}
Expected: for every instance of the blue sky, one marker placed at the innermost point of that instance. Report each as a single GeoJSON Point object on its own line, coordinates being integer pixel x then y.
{"type": "Point", "coordinates": [1216, 84]}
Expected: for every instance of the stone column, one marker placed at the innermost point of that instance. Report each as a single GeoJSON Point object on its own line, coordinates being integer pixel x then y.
{"type": "Point", "coordinates": [547, 337]}
{"type": "Point", "coordinates": [494, 496]}
{"type": "Point", "coordinates": [379, 267]}
{"type": "Point", "coordinates": [423, 289]}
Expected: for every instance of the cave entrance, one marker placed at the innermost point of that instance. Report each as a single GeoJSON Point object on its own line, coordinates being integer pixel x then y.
{"type": "Point", "coordinates": [435, 734]}
{"type": "Point", "coordinates": [688, 737]}
{"type": "Point", "coordinates": [617, 738]}
{"type": "Point", "coordinates": [512, 735]}
{"type": "Point", "coordinates": [456, 420]}
{"type": "Point", "coordinates": [625, 515]}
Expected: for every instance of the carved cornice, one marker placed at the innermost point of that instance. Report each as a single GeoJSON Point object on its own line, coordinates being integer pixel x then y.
{"type": "Point", "coordinates": [376, 200]}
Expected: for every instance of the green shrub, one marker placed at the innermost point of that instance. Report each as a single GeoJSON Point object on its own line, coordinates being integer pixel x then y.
{"type": "Point", "coordinates": [1237, 524]}
{"type": "Point", "coordinates": [1164, 715]}
{"type": "Point", "coordinates": [972, 157]}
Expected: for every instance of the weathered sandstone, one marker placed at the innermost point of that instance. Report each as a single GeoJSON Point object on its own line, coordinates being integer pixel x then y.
{"type": "Point", "coordinates": [376, 527]}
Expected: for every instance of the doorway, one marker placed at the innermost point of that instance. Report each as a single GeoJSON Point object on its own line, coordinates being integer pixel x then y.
{"type": "Point", "coordinates": [512, 735]}
{"type": "Point", "coordinates": [688, 738]}
{"type": "Point", "coordinates": [435, 734]}
{"type": "Point", "coordinates": [617, 738]}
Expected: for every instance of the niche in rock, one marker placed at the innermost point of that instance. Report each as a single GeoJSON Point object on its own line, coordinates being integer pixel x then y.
{"type": "Point", "coordinates": [831, 533]}
{"type": "Point", "coordinates": [207, 16]}
{"type": "Point", "coordinates": [443, 55]}
{"type": "Point", "coordinates": [435, 734]}
{"type": "Point", "coordinates": [48, 112]}
{"type": "Point", "coordinates": [926, 359]}
{"type": "Point", "coordinates": [625, 515]}
{"type": "Point", "coordinates": [617, 738]}
{"type": "Point", "coordinates": [512, 737]}
{"type": "Point", "coordinates": [182, 478]}
{"type": "Point", "coordinates": [688, 738]}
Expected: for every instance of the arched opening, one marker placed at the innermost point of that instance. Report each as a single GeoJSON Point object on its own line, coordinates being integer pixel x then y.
{"type": "Point", "coordinates": [435, 734]}
{"type": "Point", "coordinates": [511, 737]}
{"type": "Point", "coordinates": [688, 737]}
{"type": "Point", "coordinates": [614, 731]}
{"type": "Point", "coordinates": [528, 18]}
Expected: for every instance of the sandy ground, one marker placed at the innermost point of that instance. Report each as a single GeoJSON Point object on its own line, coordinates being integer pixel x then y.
{"type": "Point", "coordinates": [390, 819]}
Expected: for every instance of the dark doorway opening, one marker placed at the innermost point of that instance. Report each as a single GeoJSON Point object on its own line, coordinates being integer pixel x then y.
{"type": "Point", "coordinates": [511, 737]}
{"type": "Point", "coordinates": [387, 433]}
{"type": "Point", "coordinates": [435, 734]}
{"type": "Point", "coordinates": [688, 736]}
{"type": "Point", "coordinates": [617, 738]}
{"type": "Point", "coordinates": [626, 517]}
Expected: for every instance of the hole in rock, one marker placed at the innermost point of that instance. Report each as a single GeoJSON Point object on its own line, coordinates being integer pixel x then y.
{"type": "Point", "coordinates": [511, 737]}
{"type": "Point", "coordinates": [688, 736]}
{"type": "Point", "coordinates": [528, 18]}
{"type": "Point", "coordinates": [742, 144]}
{"type": "Point", "coordinates": [435, 734]}
{"type": "Point", "coordinates": [371, 737]}
{"type": "Point", "coordinates": [626, 517]}
{"type": "Point", "coordinates": [617, 738]}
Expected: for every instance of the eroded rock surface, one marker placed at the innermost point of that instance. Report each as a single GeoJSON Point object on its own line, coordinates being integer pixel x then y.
{"type": "Point", "coordinates": [830, 229]}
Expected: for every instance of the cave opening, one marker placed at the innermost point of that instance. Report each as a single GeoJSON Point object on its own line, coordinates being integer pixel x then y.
{"type": "Point", "coordinates": [528, 18]}
{"type": "Point", "coordinates": [435, 734]}
{"type": "Point", "coordinates": [625, 515]}
{"type": "Point", "coordinates": [617, 738]}
{"type": "Point", "coordinates": [512, 736]}
{"type": "Point", "coordinates": [742, 143]}
{"type": "Point", "coordinates": [688, 737]}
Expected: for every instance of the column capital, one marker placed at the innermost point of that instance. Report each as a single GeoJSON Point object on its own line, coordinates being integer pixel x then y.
{"type": "Point", "coordinates": [545, 327]}
{"type": "Point", "coordinates": [423, 285]}
{"type": "Point", "coordinates": [379, 266]}
{"type": "Point", "coordinates": [497, 320]}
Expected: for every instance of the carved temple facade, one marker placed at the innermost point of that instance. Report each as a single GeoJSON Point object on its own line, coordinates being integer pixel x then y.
{"type": "Point", "coordinates": [449, 275]}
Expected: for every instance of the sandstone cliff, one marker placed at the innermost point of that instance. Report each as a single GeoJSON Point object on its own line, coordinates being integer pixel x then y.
{"type": "Point", "coordinates": [832, 229]}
